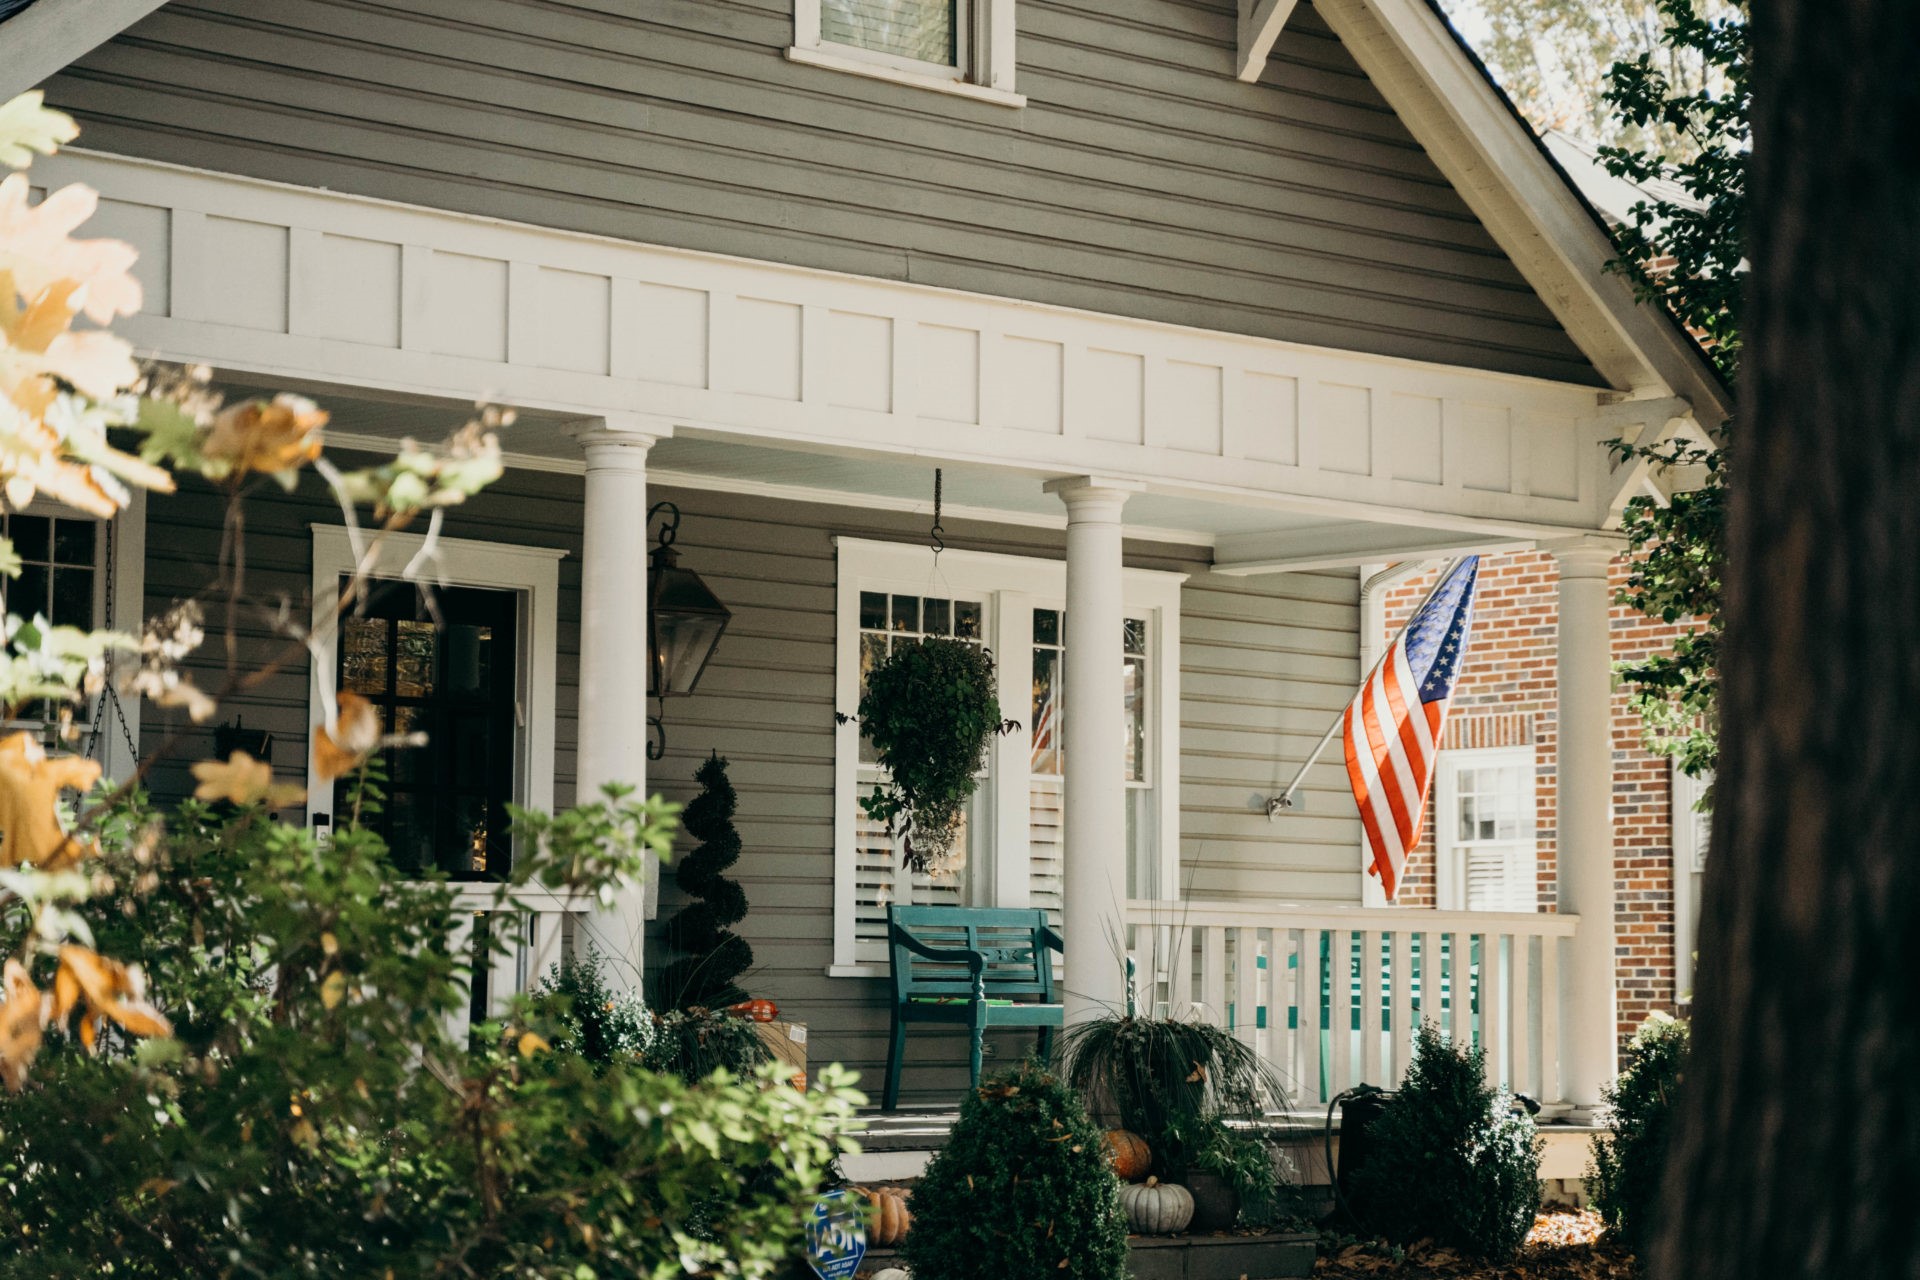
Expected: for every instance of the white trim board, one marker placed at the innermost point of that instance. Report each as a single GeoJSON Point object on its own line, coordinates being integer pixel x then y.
{"type": "Point", "coordinates": [280, 282]}
{"type": "Point", "coordinates": [52, 34]}
{"type": "Point", "coordinates": [532, 572]}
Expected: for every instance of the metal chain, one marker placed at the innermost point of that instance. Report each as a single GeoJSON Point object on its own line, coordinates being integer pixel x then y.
{"type": "Point", "coordinates": [939, 544]}
{"type": "Point", "coordinates": [109, 693]}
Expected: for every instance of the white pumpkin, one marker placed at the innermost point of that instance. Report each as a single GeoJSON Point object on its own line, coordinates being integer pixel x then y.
{"type": "Point", "coordinates": [1157, 1208]}
{"type": "Point", "coordinates": [892, 1273]}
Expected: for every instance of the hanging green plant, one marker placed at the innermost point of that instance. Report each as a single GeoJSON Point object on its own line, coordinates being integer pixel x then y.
{"type": "Point", "coordinates": [930, 711]}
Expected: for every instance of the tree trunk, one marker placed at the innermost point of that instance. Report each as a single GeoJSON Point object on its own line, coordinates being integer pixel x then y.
{"type": "Point", "coordinates": [1799, 1127]}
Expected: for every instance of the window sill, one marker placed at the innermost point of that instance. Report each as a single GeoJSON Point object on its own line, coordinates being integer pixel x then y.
{"type": "Point", "coordinates": [897, 75]}
{"type": "Point", "coordinates": [857, 971]}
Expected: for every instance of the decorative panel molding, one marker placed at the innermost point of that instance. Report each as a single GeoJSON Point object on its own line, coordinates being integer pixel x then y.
{"type": "Point", "coordinates": [297, 282]}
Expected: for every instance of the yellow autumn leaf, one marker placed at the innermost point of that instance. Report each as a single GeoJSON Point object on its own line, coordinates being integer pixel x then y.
{"type": "Point", "coordinates": [340, 747]}
{"type": "Point", "coordinates": [333, 989]}
{"type": "Point", "coordinates": [304, 1133]}
{"type": "Point", "coordinates": [531, 1044]}
{"type": "Point", "coordinates": [265, 436]}
{"type": "Point", "coordinates": [242, 780]}
{"type": "Point", "coordinates": [30, 785]}
{"type": "Point", "coordinates": [20, 1024]}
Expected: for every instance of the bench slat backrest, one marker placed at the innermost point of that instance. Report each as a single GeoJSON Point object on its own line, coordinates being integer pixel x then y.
{"type": "Point", "coordinates": [1014, 941]}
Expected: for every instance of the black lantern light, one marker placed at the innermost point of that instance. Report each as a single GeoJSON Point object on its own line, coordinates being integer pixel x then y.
{"type": "Point", "coordinates": [685, 621]}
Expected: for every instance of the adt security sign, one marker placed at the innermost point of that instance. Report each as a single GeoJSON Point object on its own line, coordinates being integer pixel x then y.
{"type": "Point", "coordinates": [836, 1236]}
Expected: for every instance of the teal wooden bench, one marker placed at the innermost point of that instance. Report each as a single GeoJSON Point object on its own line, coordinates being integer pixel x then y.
{"type": "Point", "coordinates": [972, 967]}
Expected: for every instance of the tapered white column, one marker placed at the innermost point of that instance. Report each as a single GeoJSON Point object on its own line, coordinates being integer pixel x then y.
{"type": "Point", "coordinates": [1094, 924]}
{"type": "Point", "coordinates": [613, 659]}
{"type": "Point", "coordinates": [1585, 678]}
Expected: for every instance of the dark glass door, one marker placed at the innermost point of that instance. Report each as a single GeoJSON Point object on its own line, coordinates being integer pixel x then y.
{"type": "Point", "coordinates": [447, 671]}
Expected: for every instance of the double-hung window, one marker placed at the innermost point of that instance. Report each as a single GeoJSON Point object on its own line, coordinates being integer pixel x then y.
{"type": "Point", "coordinates": [1012, 843]}
{"type": "Point", "coordinates": [958, 46]}
{"type": "Point", "coordinates": [1484, 830]}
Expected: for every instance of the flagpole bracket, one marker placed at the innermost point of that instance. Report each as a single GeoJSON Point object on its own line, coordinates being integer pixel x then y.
{"type": "Point", "coordinates": [1283, 803]}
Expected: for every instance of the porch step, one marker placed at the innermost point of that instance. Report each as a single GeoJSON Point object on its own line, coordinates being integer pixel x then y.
{"type": "Point", "coordinates": [1272, 1255]}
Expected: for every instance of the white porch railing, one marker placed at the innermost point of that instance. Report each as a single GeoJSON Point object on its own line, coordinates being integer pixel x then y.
{"type": "Point", "coordinates": [544, 928]}
{"type": "Point", "coordinates": [1332, 995]}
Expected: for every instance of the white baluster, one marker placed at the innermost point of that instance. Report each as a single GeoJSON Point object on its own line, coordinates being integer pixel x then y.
{"type": "Point", "coordinates": [1370, 994]}
{"type": "Point", "coordinates": [1492, 1004]}
{"type": "Point", "coordinates": [1246, 987]}
{"type": "Point", "coordinates": [1213, 973]}
{"type": "Point", "coordinates": [1340, 1012]}
{"type": "Point", "coordinates": [1401, 1009]}
{"type": "Point", "coordinates": [1520, 1029]}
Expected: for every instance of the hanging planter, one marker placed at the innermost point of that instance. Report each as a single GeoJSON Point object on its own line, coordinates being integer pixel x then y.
{"type": "Point", "coordinates": [930, 712]}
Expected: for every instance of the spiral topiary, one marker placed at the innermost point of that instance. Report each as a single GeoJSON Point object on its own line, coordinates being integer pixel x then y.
{"type": "Point", "coordinates": [1022, 1189]}
{"type": "Point", "coordinates": [715, 955]}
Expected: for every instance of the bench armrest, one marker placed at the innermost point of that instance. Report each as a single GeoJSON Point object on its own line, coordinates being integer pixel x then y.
{"type": "Point", "coordinates": [974, 961]}
{"type": "Point", "coordinates": [1053, 939]}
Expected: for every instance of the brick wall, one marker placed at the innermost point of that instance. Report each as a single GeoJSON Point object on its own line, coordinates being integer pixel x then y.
{"type": "Point", "coordinates": [1506, 697]}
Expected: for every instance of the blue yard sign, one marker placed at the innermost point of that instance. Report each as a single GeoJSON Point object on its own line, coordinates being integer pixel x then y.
{"type": "Point", "coordinates": [836, 1236]}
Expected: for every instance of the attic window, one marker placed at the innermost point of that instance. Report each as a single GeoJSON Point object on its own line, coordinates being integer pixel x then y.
{"type": "Point", "coordinates": [962, 47]}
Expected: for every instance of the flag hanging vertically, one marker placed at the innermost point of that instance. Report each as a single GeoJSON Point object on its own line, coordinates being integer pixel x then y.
{"type": "Point", "coordinates": [1393, 725]}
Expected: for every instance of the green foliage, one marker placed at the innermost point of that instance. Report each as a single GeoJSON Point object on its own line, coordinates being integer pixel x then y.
{"type": "Point", "coordinates": [1022, 1188]}
{"type": "Point", "coordinates": [1451, 1158]}
{"type": "Point", "coordinates": [1686, 252]}
{"type": "Point", "coordinates": [1626, 1171]}
{"type": "Point", "coordinates": [312, 1116]}
{"type": "Point", "coordinates": [600, 1025]}
{"type": "Point", "coordinates": [1170, 1080]}
{"type": "Point", "coordinates": [930, 711]}
{"type": "Point", "coordinates": [1246, 1157]}
{"type": "Point", "coordinates": [715, 955]}
{"type": "Point", "coordinates": [694, 1043]}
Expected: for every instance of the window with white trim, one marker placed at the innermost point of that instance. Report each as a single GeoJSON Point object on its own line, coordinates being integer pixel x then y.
{"type": "Point", "coordinates": [1692, 833]}
{"type": "Point", "coordinates": [1484, 830]}
{"type": "Point", "coordinates": [1011, 848]}
{"type": "Point", "coordinates": [956, 46]}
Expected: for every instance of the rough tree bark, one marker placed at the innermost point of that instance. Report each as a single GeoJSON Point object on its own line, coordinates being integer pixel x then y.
{"type": "Point", "coordinates": [1800, 1127]}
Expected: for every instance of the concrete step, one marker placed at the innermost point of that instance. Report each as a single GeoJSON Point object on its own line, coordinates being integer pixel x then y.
{"type": "Point", "coordinates": [1273, 1255]}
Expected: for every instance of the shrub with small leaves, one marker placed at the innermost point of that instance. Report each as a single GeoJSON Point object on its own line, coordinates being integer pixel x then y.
{"type": "Point", "coordinates": [1022, 1188]}
{"type": "Point", "coordinates": [595, 1022]}
{"type": "Point", "coordinates": [695, 1043]}
{"type": "Point", "coordinates": [1451, 1157]}
{"type": "Point", "coordinates": [1626, 1170]}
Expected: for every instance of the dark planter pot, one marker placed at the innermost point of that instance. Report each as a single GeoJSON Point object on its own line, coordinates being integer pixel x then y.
{"type": "Point", "coordinates": [1216, 1205]}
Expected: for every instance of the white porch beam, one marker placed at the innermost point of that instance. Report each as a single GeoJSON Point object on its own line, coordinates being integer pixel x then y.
{"type": "Point", "coordinates": [41, 40]}
{"type": "Point", "coordinates": [1095, 894]}
{"type": "Point", "coordinates": [1261, 22]}
{"type": "Point", "coordinates": [613, 656]}
{"type": "Point", "coordinates": [1584, 677]}
{"type": "Point", "coordinates": [1345, 546]}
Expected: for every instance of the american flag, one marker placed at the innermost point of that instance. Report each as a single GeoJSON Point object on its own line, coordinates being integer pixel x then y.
{"type": "Point", "coordinates": [1393, 739]}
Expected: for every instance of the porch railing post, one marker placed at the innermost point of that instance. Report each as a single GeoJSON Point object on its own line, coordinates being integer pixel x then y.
{"type": "Point", "coordinates": [1094, 897]}
{"type": "Point", "coordinates": [613, 656]}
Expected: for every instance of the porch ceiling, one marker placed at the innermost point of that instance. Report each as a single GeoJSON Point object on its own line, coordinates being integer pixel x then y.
{"type": "Point", "coordinates": [1247, 538]}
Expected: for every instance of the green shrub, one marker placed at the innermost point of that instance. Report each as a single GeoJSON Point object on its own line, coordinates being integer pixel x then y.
{"type": "Point", "coordinates": [601, 1025]}
{"type": "Point", "coordinates": [1022, 1189]}
{"type": "Point", "coordinates": [1626, 1170]}
{"type": "Point", "coordinates": [312, 1116]}
{"type": "Point", "coordinates": [1450, 1158]}
{"type": "Point", "coordinates": [1248, 1160]}
{"type": "Point", "coordinates": [715, 956]}
{"type": "Point", "coordinates": [695, 1043]}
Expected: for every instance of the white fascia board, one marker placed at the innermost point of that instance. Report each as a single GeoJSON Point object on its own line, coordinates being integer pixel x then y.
{"type": "Point", "coordinates": [1343, 547]}
{"type": "Point", "coordinates": [1531, 210]}
{"type": "Point", "coordinates": [1261, 22]}
{"type": "Point", "coordinates": [45, 38]}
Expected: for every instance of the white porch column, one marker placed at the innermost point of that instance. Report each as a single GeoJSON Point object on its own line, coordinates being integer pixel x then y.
{"type": "Point", "coordinates": [1589, 1016]}
{"type": "Point", "coordinates": [613, 657]}
{"type": "Point", "coordinates": [1094, 923]}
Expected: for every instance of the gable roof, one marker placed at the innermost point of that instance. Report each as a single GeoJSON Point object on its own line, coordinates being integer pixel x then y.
{"type": "Point", "coordinates": [1528, 203]}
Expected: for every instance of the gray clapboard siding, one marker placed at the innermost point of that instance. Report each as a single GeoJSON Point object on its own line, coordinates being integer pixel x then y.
{"type": "Point", "coordinates": [1142, 178]}
{"type": "Point", "coordinates": [1265, 662]}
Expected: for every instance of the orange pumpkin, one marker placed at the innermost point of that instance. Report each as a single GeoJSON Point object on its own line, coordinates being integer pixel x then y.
{"type": "Point", "coordinates": [891, 1219]}
{"type": "Point", "coordinates": [756, 1010]}
{"type": "Point", "coordinates": [1127, 1153]}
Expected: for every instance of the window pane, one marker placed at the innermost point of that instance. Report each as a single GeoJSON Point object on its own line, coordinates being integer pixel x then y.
{"type": "Point", "coordinates": [873, 610]}
{"type": "Point", "coordinates": [31, 536]}
{"type": "Point", "coordinates": [415, 649]}
{"type": "Point", "coordinates": [1046, 626]}
{"type": "Point", "coordinates": [1134, 692]}
{"type": "Point", "coordinates": [72, 598]}
{"type": "Point", "coordinates": [1047, 722]}
{"type": "Point", "coordinates": [939, 617]}
{"type": "Point", "coordinates": [1136, 635]}
{"type": "Point", "coordinates": [906, 613]}
{"type": "Point", "coordinates": [363, 655]}
{"type": "Point", "coordinates": [922, 30]}
{"type": "Point", "coordinates": [966, 619]}
{"type": "Point", "coordinates": [73, 542]}
{"type": "Point", "coordinates": [28, 593]}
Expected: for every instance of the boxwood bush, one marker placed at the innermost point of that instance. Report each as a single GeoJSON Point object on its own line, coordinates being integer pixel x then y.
{"type": "Point", "coordinates": [1626, 1170]}
{"type": "Point", "coordinates": [1022, 1189]}
{"type": "Point", "coordinates": [1451, 1158]}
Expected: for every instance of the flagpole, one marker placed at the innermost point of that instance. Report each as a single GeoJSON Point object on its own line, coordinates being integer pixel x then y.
{"type": "Point", "coordinates": [1283, 803]}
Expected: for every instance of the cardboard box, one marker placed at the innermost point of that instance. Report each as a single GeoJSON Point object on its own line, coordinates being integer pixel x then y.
{"type": "Point", "coordinates": [787, 1042]}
